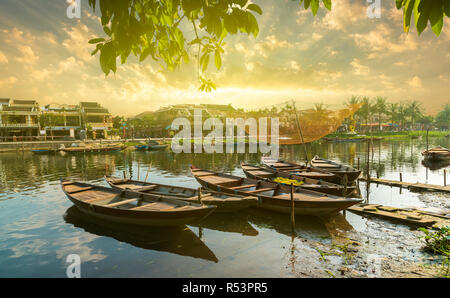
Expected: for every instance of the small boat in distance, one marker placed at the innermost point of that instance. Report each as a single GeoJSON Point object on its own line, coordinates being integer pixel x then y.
{"type": "Point", "coordinates": [300, 170]}
{"type": "Point", "coordinates": [274, 196]}
{"type": "Point", "coordinates": [44, 151]}
{"type": "Point", "coordinates": [154, 145]}
{"type": "Point", "coordinates": [271, 174]}
{"type": "Point", "coordinates": [335, 168]}
{"type": "Point", "coordinates": [436, 154]}
{"type": "Point", "coordinates": [223, 202]}
{"type": "Point", "coordinates": [124, 206]}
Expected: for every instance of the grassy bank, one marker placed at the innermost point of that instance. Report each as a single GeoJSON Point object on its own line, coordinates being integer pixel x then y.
{"type": "Point", "coordinates": [392, 134]}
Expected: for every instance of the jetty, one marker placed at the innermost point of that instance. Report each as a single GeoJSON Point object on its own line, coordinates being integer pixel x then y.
{"type": "Point", "coordinates": [409, 185]}
{"type": "Point", "coordinates": [408, 216]}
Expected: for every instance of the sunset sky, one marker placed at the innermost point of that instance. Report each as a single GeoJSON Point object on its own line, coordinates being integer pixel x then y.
{"type": "Point", "coordinates": [45, 56]}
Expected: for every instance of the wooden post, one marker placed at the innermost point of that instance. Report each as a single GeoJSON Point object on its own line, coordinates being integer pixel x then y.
{"type": "Point", "coordinates": [445, 177]}
{"type": "Point", "coordinates": [138, 170]}
{"type": "Point", "coordinates": [344, 183]}
{"type": "Point", "coordinates": [124, 175]}
{"type": "Point", "coordinates": [148, 170]}
{"type": "Point", "coordinates": [292, 207]}
{"type": "Point", "coordinates": [358, 162]}
{"type": "Point", "coordinates": [199, 195]}
{"type": "Point", "coordinates": [300, 132]}
{"type": "Point", "coordinates": [401, 179]}
{"type": "Point", "coordinates": [427, 138]}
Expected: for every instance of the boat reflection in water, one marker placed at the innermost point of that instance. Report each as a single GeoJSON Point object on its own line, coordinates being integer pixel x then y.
{"type": "Point", "coordinates": [236, 222]}
{"type": "Point", "coordinates": [178, 240]}
{"type": "Point", "coordinates": [435, 164]}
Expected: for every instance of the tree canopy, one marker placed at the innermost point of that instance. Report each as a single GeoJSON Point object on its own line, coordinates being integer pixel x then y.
{"type": "Point", "coordinates": [152, 28]}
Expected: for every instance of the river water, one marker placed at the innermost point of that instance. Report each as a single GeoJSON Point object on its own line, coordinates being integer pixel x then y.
{"type": "Point", "coordinates": [40, 227]}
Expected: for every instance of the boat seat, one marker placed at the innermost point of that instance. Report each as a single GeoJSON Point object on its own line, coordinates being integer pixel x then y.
{"type": "Point", "coordinates": [122, 203]}
{"type": "Point", "coordinates": [79, 189]}
{"type": "Point", "coordinates": [243, 186]}
{"type": "Point", "coordinates": [260, 190]}
{"type": "Point", "coordinates": [145, 188]}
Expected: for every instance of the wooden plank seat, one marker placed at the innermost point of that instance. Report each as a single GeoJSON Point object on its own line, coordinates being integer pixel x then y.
{"type": "Point", "coordinates": [113, 196]}
{"type": "Point", "coordinates": [79, 189]}
{"type": "Point", "coordinates": [260, 190]}
{"type": "Point", "coordinates": [145, 188]}
{"type": "Point", "coordinates": [243, 186]}
{"type": "Point", "coordinates": [122, 203]}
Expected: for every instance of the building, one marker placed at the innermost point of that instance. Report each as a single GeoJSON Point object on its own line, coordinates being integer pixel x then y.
{"type": "Point", "coordinates": [18, 119]}
{"type": "Point", "coordinates": [61, 120]}
{"type": "Point", "coordinates": [97, 120]}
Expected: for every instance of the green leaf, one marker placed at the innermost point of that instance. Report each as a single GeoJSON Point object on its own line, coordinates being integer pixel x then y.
{"type": "Point", "coordinates": [314, 6]}
{"type": "Point", "coordinates": [407, 12]}
{"type": "Point", "coordinates": [96, 40]}
{"type": "Point", "coordinates": [327, 4]}
{"type": "Point", "coordinates": [446, 8]}
{"type": "Point", "coordinates": [252, 25]}
{"type": "Point", "coordinates": [437, 17]}
{"type": "Point", "coordinates": [306, 3]}
{"type": "Point", "coordinates": [398, 3]}
{"type": "Point", "coordinates": [255, 8]}
{"type": "Point", "coordinates": [230, 23]}
{"type": "Point", "coordinates": [422, 11]}
{"type": "Point", "coordinates": [217, 59]}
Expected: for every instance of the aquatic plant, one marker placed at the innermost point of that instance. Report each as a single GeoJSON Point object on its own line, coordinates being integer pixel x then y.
{"type": "Point", "coordinates": [439, 243]}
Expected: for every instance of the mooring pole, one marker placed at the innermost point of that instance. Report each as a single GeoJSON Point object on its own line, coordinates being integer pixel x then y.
{"type": "Point", "coordinates": [427, 138]}
{"type": "Point", "coordinates": [199, 190]}
{"type": "Point", "coordinates": [300, 132]}
{"type": "Point", "coordinates": [292, 207]}
{"type": "Point", "coordinates": [139, 169]}
{"type": "Point", "coordinates": [445, 177]}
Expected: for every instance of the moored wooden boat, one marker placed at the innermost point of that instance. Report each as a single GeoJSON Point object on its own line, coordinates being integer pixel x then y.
{"type": "Point", "coordinates": [130, 207]}
{"type": "Point", "coordinates": [141, 147]}
{"type": "Point", "coordinates": [154, 145]}
{"type": "Point", "coordinates": [44, 151]}
{"type": "Point", "coordinates": [335, 168]}
{"type": "Point", "coordinates": [300, 170]}
{"type": "Point", "coordinates": [223, 202]}
{"type": "Point", "coordinates": [256, 172]}
{"type": "Point", "coordinates": [274, 196]}
{"type": "Point", "coordinates": [437, 154]}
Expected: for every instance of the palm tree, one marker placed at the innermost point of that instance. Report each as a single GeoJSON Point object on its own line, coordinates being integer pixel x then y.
{"type": "Point", "coordinates": [380, 108]}
{"type": "Point", "coordinates": [401, 114]}
{"type": "Point", "coordinates": [365, 112]}
{"type": "Point", "coordinates": [414, 110]}
{"type": "Point", "coordinates": [392, 108]}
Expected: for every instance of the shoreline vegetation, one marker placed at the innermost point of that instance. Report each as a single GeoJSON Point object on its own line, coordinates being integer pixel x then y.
{"type": "Point", "coordinates": [392, 135]}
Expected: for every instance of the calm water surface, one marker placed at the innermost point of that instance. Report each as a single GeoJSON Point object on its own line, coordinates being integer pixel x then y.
{"type": "Point", "coordinates": [40, 227]}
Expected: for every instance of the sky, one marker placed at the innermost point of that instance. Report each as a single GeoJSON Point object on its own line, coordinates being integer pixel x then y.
{"type": "Point", "coordinates": [325, 59]}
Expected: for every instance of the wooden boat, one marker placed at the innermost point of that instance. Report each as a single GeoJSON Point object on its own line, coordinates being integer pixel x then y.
{"type": "Point", "coordinates": [141, 147]}
{"type": "Point", "coordinates": [223, 202]}
{"type": "Point", "coordinates": [87, 149]}
{"type": "Point", "coordinates": [300, 170]}
{"type": "Point", "coordinates": [178, 240]}
{"type": "Point", "coordinates": [44, 151]}
{"type": "Point", "coordinates": [132, 207]}
{"type": "Point", "coordinates": [344, 140]}
{"type": "Point", "coordinates": [274, 196]}
{"type": "Point", "coordinates": [255, 172]}
{"type": "Point", "coordinates": [335, 168]}
{"type": "Point", "coordinates": [154, 145]}
{"type": "Point", "coordinates": [436, 154]}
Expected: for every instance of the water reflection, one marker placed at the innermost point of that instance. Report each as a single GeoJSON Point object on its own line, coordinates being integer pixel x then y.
{"type": "Point", "coordinates": [181, 241]}
{"type": "Point", "coordinates": [230, 223]}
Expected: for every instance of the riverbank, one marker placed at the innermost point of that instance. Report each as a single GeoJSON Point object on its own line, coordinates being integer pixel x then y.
{"type": "Point", "coordinates": [392, 135]}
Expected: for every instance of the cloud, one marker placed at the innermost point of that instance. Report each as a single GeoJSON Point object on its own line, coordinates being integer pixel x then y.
{"type": "Point", "coordinates": [8, 81]}
{"type": "Point", "coordinates": [77, 41]}
{"type": "Point", "coordinates": [3, 59]}
{"type": "Point", "coordinates": [342, 14]}
{"type": "Point", "coordinates": [28, 55]}
{"type": "Point", "coordinates": [415, 82]}
{"type": "Point", "coordinates": [358, 68]}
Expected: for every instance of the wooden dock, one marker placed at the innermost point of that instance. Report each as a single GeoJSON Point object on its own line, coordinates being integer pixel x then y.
{"type": "Point", "coordinates": [409, 185]}
{"type": "Point", "coordinates": [410, 217]}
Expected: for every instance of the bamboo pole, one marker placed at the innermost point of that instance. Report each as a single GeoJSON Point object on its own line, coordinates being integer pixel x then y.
{"type": "Point", "coordinates": [300, 132]}
{"type": "Point", "coordinates": [124, 175]}
{"type": "Point", "coordinates": [445, 177]}
{"type": "Point", "coordinates": [292, 207]}
{"type": "Point", "coordinates": [138, 170]}
{"type": "Point", "coordinates": [148, 170]}
{"type": "Point", "coordinates": [199, 190]}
